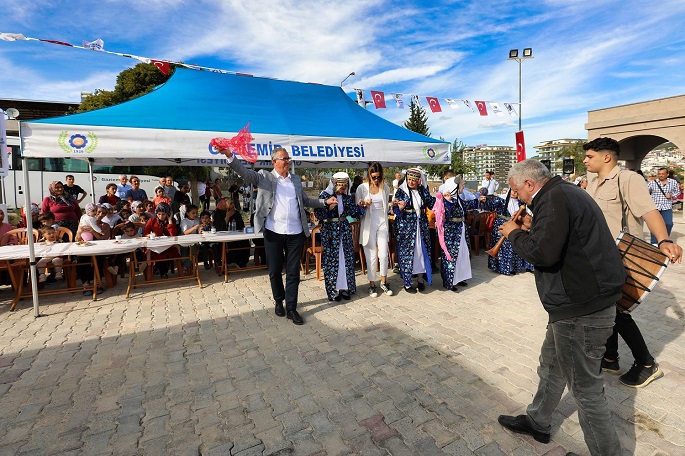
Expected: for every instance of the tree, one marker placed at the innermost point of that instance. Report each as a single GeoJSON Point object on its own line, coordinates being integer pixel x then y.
{"type": "Point", "coordinates": [576, 152]}
{"type": "Point", "coordinates": [132, 83]}
{"type": "Point", "coordinates": [418, 120]}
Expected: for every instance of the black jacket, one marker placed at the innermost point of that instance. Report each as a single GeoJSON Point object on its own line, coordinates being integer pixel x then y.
{"type": "Point", "coordinates": [578, 269]}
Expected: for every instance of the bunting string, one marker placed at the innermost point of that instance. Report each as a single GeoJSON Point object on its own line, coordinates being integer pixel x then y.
{"type": "Point", "coordinates": [378, 98]}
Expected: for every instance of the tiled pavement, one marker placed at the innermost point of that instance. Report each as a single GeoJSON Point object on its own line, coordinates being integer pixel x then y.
{"type": "Point", "coordinates": [213, 371]}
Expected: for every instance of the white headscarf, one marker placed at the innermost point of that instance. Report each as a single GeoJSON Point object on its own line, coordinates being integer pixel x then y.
{"type": "Point", "coordinates": [452, 185]}
{"type": "Point", "coordinates": [338, 177]}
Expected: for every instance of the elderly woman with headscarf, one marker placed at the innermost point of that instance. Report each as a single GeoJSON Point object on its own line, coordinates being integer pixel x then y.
{"type": "Point", "coordinates": [413, 238]}
{"type": "Point", "coordinates": [336, 238]}
{"type": "Point", "coordinates": [67, 211]}
{"type": "Point", "coordinates": [450, 210]}
{"type": "Point", "coordinates": [162, 225]}
{"type": "Point", "coordinates": [507, 261]}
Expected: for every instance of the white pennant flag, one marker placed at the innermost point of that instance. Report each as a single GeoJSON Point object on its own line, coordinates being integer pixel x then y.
{"type": "Point", "coordinates": [97, 45]}
{"type": "Point", "coordinates": [510, 109]}
{"type": "Point", "coordinates": [496, 109]}
{"type": "Point", "coordinates": [398, 100]}
{"type": "Point", "coordinates": [452, 102]}
{"type": "Point", "coordinates": [12, 37]}
{"type": "Point", "coordinates": [360, 98]}
{"type": "Point", "coordinates": [415, 99]}
{"type": "Point", "coordinates": [467, 104]}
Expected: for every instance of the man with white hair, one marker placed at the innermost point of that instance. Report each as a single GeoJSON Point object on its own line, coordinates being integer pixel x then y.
{"type": "Point", "coordinates": [279, 213]}
{"type": "Point", "coordinates": [579, 275]}
{"type": "Point", "coordinates": [123, 187]}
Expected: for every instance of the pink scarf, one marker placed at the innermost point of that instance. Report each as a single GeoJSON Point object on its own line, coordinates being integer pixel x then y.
{"type": "Point", "coordinates": [439, 211]}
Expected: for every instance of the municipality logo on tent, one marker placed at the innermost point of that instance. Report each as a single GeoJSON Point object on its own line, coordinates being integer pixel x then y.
{"type": "Point", "coordinates": [77, 143]}
{"type": "Point", "coordinates": [430, 153]}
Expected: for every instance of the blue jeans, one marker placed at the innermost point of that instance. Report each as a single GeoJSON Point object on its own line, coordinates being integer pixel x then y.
{"type": "Point", "coordinates": [667, 214]}
{"type": "Point", "coordinates": [571, 355]}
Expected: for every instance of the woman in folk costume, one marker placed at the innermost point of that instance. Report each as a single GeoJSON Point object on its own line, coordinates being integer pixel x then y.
{"type": "Point", "coordinates": [450, 210]}
{"type": "Point", "coordinates": [372, 198]}
{"type": "Point", "coordinates": [413, 238]}
{"type": "Point", "coordinates": [336, 238]}
{"type": "Point", "coordinates": [507, 261]}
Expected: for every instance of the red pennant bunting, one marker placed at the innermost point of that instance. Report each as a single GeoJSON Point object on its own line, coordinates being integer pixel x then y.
{"type": "Point", "coordinates": [58, 42]}
{"type": "Point", "coordinates": [434, 104]}
{"type": "Point", "coordinates": [378, 99]}
{"type": "Point", "coordinates": [161, 66]}
{"type": "Point", "coordinates": [520, 147]}
{"type": "Point", "coordinates": [482, 109]}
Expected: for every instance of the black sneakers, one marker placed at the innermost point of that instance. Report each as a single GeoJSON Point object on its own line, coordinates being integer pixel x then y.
{"type": "Point", "coordinates": [520, 424]}
{"type": "Point", "coordinates": [610, 366]}
{"type": "Point", "coordinates": [640, 376]}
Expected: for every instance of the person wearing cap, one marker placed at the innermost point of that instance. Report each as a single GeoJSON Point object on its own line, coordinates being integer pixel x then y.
{"type": "Point", "coordinates": [280, 215]}
{"type": "Point", "coordinates": [336, 238]}
{"type": "Point", "coordinates": [450, 210]}
{"type": "Point", "coordinates": [413, 238]}
{"type": "Point", "coordinates": [162, 225]}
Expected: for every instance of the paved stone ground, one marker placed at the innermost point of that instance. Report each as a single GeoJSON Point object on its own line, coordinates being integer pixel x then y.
{"type": "Point", "coordinates": [213, 371]}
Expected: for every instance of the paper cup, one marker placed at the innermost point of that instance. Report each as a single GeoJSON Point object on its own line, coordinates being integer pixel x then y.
{"type": "Point", "coordinates": [152, 235]}
{"type": "Point", "coordinates": [118, 237]}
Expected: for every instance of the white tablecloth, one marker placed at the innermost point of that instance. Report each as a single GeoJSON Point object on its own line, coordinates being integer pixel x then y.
{"type": "Point", "coordinates": [113, 247]}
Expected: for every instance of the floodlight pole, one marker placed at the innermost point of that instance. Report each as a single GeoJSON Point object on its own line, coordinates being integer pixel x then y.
{"type": "Point", "coordinates": [513, 55]}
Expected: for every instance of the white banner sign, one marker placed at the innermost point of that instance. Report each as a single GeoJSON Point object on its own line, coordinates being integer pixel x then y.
{"type": "Point", "coordinates": [4, 156]}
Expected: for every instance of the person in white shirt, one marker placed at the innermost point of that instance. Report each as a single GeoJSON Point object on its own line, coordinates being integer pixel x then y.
{"type": "Point", "coordinates": [396, 182]}
{"type": "Point", "coordinates": [280, 214]}
{"type": "Point", "coordinates": [490, 183]}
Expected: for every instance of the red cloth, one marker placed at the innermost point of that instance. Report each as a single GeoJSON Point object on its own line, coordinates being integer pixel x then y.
{"type": "Point", "coordinates": [154, 226]}
{"type": "Point", "coordinates": [239, 144]}
{"type": "Point", "coordinates": [520, 147]}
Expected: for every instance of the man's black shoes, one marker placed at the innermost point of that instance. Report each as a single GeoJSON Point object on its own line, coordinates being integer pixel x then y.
{"type": "Point", "coordinates": [295, 317]}
{"type": "Point", "coordinates": [279, 310]}
{"type": "Point", "coordinates": [520, 424]}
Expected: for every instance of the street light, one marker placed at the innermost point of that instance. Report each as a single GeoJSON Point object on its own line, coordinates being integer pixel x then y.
{"type": "Point", "coordinates": [346, 77]}
{"type": "Point", "coordinates": [514, 55]}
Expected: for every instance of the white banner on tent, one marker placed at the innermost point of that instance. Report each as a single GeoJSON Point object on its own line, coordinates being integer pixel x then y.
{"type": "Point", "coordinates": [129, 145]}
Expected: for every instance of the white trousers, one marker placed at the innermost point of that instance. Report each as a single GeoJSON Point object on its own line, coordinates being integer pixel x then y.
{"type": "Point", "coordinates": [378, 239]}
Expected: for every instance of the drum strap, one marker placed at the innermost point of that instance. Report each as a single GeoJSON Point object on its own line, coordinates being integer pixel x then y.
{"type": "Point", "coordinates": [624, 222]}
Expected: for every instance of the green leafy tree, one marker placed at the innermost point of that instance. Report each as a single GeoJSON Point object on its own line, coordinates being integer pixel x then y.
{"type": "Point", "coordinates": [574, 151]}
{"type": "Point", "coordinates": [132, 83]}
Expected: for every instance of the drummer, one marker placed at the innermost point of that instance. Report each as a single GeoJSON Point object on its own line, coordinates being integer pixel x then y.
{"type": "Point", "coordinates": [618, 192]}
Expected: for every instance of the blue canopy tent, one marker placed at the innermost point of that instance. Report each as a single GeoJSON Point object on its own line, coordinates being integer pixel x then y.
{"type": "Point", "coordinates": [175, 122]}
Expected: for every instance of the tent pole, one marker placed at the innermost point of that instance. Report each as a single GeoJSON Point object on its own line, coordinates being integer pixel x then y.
{"type": "Point", "coordinates": [92, 182]}
{"type": "Point", "coordinates": [29, 226]}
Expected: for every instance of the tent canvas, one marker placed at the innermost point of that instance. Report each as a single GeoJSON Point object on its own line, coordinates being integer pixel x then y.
{"type": "Point", "coordinates": [176, 121]}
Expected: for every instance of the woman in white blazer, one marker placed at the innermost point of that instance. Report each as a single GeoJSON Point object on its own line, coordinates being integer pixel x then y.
{"type": "Point", "coordinates": [372, 198]}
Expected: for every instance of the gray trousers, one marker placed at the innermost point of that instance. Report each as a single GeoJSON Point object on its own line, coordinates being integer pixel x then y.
{"type": "Point", "coordinates": [571, 356]}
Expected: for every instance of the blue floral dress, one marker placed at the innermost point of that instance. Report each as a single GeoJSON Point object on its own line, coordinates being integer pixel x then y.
{"type": "Point", "coordinates": [334, 231]}
{"type": "Point", "coordinates": [453, 231]}
{"type": "Point", "coordinates": [507, 261]}
{"type": "Point", "coordinates": [405, 223]}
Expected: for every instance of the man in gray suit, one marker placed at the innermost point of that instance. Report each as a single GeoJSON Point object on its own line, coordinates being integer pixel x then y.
{"type": "Point", "coordinates": [279, 213]}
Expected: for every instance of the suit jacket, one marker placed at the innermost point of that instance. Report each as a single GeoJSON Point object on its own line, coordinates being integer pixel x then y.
{"type": "Point", "coordinates": [267, 183]}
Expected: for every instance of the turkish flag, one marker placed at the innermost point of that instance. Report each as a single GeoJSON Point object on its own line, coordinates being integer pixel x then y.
{"type": "Point", "coordinates": [434, 104]}
{"type": "Point", "coordinates": [520, 147]}
{"type": "Point", "coordinates": [161, 66]}
{"type": "Point", "coordinates": [482, 109]}
{"type": "Point", "coordinates": [378, 99]}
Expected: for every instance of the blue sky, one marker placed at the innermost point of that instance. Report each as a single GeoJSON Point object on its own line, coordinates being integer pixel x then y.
{"type": "Point", "coordinates": [587, 54]}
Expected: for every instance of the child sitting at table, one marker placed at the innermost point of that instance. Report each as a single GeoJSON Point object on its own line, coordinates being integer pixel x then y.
{"type": "Point", "coordinates": [88, 220]}
{"type": "Point", "coordinates": [205, 226]}
{"type": "Point", "coordinates": [129, 231]}
{"type": "Point", "coordinates": [189, 225]}
{"type": "Point", "coordinates": [49, 236]}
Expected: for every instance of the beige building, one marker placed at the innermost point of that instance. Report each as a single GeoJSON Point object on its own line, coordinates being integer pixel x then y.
{"type": "Point", "coordinates": [548, 150]}
{"type": "Point", "coordinates": [489, 158]}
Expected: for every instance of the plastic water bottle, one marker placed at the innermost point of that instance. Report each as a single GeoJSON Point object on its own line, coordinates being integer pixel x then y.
{"type": "Point", "coordinates": [231, 226]}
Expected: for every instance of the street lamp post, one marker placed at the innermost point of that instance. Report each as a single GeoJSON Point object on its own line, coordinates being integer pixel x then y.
{"type": "Point", "coordinates": [514, 55]}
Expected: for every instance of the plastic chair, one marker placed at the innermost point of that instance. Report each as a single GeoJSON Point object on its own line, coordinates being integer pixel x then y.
{"type": "Point", "coordinates": [479, 231]}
